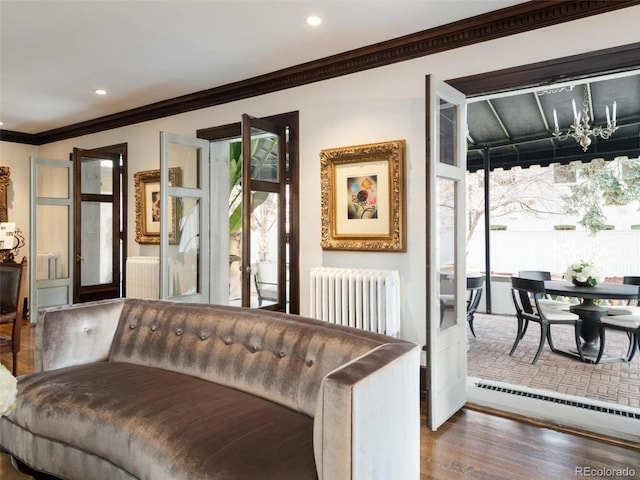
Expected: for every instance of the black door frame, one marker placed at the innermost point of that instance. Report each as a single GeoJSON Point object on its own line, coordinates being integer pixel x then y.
{"type": "Point", "coordinates": [118, 198]}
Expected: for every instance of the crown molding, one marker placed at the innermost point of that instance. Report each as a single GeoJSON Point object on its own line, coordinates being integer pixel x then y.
{"type": "Point", "coordinates": [499, 23]}
{"type": "Point", "coordinates": [19, 137]}
{"type": "Point", "coordinates": [601, 62]}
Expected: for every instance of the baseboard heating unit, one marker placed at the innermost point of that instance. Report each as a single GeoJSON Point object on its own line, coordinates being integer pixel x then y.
{"type": "Point", "coordinates": [362, 298]}
{"type": "Point", "coordinates": [561, 401]}
{"type": "Point", "coordinates": [618, 421]}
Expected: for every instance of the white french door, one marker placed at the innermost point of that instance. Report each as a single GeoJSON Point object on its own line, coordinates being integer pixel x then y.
{"type": "Point", "coordinates": [446, 320]}
{"type": "Point", "coordinates": [51, 242]}
{"type": "Point", "coordinates": [245, 236]}
{"type": "Point", "coordinates": [184, 219]}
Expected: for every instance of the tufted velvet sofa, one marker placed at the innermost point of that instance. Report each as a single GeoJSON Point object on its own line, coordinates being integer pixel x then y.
{"type": "Point", "coordinates": [148, 389]}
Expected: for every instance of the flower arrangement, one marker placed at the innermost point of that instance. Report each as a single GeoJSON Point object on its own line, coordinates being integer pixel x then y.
{"type": "Point", "coordinates": [582, 274]}
{"type": "Point", "coordinates": [8, 390]}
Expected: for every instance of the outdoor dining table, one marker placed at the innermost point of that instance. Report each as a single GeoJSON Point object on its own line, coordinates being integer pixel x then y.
{"type": "Point", "coordinates": [589, 311]}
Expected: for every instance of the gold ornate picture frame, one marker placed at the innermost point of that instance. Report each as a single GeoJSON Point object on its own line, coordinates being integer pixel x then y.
{"type": "Point", "coordinates": [147, 192]}
{"type": "Point", "coordinates": [363, 197]}
{"type": "Point", "coordinates": [4, 184]}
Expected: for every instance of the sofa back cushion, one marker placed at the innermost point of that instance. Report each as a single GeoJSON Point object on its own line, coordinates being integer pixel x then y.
{"type": "Point", "coordinates": [280, 357]}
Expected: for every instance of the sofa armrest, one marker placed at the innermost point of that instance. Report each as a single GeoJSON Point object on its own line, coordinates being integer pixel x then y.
{"type": "Point", "coordinates": [75, 334]}
{"type": "Point", "coordinates": [367, 423]}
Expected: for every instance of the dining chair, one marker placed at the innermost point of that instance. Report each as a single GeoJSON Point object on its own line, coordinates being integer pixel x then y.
{"type": "Point", "coordinates": [13, 278]}
{"type": "Point", "coordinates": [627, 309]}
{"type": "Point", "coordinates": [624, 317]}
{"type": "Point", "coordinates": [525, 293]}
{"type": "Point", "coordinates": [544, 299]}
{"type": "Point", "coordinates": [474, 294]}
{"type": "Point", "coordinates": [630, 324]}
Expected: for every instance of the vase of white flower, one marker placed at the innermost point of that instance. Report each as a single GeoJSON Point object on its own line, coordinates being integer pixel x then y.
{"type": "Point", "coordinates": [8, 390]}
{"type": "Point", "coordinates": [582, 274]}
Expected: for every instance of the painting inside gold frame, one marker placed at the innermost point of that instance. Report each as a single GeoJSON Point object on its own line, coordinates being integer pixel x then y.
{"type": "Point", "coordinates": [363, 197]}
{"type": "Point", "coordinates": [147, 192]}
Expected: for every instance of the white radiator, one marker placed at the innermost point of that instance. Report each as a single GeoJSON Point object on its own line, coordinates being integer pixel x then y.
{"type": "Point", "coordinates": [360, 298]}
{"type": "Point", "coordinates": [143, 277]}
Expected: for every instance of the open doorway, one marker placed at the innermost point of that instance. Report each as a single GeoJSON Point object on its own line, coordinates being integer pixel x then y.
{"type": "Point", "coordinates": [546, 197]}
{"type": "Point", "coordinates": [556, 168]}
{"type": "Point", "coordinates": [263, 218]}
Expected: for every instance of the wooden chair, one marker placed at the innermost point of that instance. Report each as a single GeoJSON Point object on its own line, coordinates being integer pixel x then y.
{"type": "Point", "coordinates": [266, 281]}
{"type": "Point", "coordinates": [545, 300]}
{"type": "Point", "coordinates": [474, 292]}
{"type": "Point", "coordinates": [625, 318]}
{"type": "Point", "coordinates": [628, 309]}
{"type": "Point", "coordinates": [630, 324]}
{"type": "Point", "coordinates": [526, 293]}
{"type": "Point", "coordinates": [13, 281]}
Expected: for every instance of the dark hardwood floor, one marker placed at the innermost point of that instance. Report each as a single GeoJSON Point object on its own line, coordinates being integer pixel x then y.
{"type": "Point", "coordinates": [477, 445]}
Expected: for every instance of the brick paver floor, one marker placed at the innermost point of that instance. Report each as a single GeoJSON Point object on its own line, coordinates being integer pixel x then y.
{"type": "Point", "coordinates": [488, 358]}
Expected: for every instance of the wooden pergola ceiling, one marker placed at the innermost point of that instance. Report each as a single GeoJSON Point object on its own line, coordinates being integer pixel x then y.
{"type": "Point", "coordinates": [516, 129]}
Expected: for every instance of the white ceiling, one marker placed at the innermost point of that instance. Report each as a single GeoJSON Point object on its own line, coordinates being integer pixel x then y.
{"type": "Point", "coordinates": [55, 53]}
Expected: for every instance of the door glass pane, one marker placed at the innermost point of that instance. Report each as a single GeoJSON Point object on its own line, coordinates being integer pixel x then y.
{"type": "Point", "coordinates": [185, 159]}
{"type": "Point", "coordinates": [184, 246]}
{"type": "Point", "coordinates": [53, 242]}
{"type": "Point", "coordinates": [232, 151]}
{"type": "Point", "coordinates": [264, 248]}
{"type": "Point", "coordinates": [96, 263]}
{"type": "Point", "coordinates": [97, 176]}
{"type": "Point", "coordinates": [446, 245]}
{"type": "Point", "coordinates": [448, 132]}
{"type": "Point", "coordinates": [264, 155]}
{"type": "Point", "coordinates": [52, 181]}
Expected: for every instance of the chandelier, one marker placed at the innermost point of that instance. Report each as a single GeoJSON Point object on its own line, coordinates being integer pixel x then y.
{"type": "Point", "coordinates": [581, 130]}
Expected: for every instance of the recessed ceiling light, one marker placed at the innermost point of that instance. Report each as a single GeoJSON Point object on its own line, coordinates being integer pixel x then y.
{"type": "Point", "coordinates": [100, 91]}
{"type": "Point", "coordinates": [314, 20]}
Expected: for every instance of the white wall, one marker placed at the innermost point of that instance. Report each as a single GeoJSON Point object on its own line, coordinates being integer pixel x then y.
{"type": "Point", "coordinates": [383, 104]}
{"type": "Point", "coordinates": [16, 157]}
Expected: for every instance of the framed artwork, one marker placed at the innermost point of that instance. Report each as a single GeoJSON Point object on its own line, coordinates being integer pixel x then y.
{"type": "Point", "coordinates": [363, 197]}
{"type": "Point", "coordinates": [4, 182]}
{"type": "Point", "coordinates": [147, 191]}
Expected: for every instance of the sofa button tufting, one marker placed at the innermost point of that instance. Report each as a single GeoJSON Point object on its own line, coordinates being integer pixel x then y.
{"type": "Point", "coordinates": [178, 331]}
{"type": "Point", "coordinates": [309, 363]}
{"type": "Point", "coordinates": [153, 328]}
{"type": "Point", "coordinates": [227, 341]}
{"type": "Point", "coordinates": [204, 336]}
{"type": "Point", "coordinates": [132, 326]}
{"type": "Point", "coordinates": [282, 354]}
{"type": "Point", "coordinates": [253, 348]}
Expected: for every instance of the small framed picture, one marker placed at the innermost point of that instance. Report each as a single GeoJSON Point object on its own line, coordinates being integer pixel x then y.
{"type": "Point", "coordinates": [363, 197]}
{"type": "Point", "coordinates": [147, 192]}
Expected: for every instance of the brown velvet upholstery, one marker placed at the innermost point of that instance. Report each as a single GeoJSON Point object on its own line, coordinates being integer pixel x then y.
{"type": "Point", "coordinates": [183, 427]}
{"type": "Point", "coordinates": [159, 390]}
{"type": "Point", "coordinates": [282, 361]}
